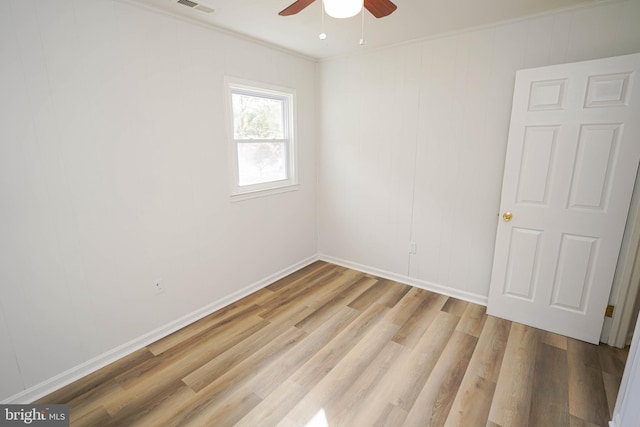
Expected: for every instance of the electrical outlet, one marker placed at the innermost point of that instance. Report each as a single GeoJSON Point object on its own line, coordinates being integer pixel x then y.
{"type": "Point", "coordinates": [157, 285]}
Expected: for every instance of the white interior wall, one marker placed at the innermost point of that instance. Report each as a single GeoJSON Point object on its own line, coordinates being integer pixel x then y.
{"type": "Point", "coordinates": [113, 173]}
{"type": "Point", "coordinates": [113, 166]}
{"type": "Point", "coordinates": [414, 137]}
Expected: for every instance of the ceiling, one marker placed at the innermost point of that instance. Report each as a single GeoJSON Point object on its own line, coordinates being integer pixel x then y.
{"type": "Point", "coordinates": [414, 19]}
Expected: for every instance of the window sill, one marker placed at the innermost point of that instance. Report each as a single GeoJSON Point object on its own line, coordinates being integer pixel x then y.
{"type": "Point", "coordinates": [262, 193]}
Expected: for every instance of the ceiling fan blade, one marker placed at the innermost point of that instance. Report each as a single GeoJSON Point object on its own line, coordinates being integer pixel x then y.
{"type": "Point", "coordinates": [380, 8]}
{"type": "Point", "coordinates": [295, 7]}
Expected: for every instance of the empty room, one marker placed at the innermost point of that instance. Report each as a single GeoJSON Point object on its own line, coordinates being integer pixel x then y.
{"type": "Point", "coordinates": [278, 212]}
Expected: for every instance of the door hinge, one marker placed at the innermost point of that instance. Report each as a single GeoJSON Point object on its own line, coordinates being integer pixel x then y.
{"type": "Point", "coordinates": [609, 311]}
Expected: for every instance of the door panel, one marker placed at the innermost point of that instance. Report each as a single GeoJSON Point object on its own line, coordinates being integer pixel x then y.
{"type": "Point", "coordinates": [608, 91]}
{"type": "Point", "coordinates": [572, 158]}
{"type": "Point", "coordinates": [522, 268]}
{"type": "Point", "coordinates": [573, 277]}
{"type": "Point", "coordinates": [536, 167]}
{"type": "Point", "coordinates": [547, 95]}
{"type": "Point", "coordinates": [597, 152]}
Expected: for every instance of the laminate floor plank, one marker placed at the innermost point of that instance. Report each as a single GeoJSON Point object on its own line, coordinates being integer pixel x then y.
{"type": "Point", "coordinates": [230, 361]}
{"type": "Point", "coordinates": [416, 325]}
{"type": "Point", "coordinates": [348, 412]}
{"type": "Point", "coordinates": [212, 395]}
{"type": "Point", "coordinates": [512, 398]}
{"type": "Point", "coordinates": [487, 359]}
{"type": "Point", "coordinates": [415, 365]}
{"type": "Point", "coordinates": [182, 360]}
{"type": "Point", "coordinates": [555, 340]}
{"type": "Point", "coordinates": [88, 384]}
{"type": "Point", "coordinates": [455, 306]}
{"type": "Point", "coordinates": [310, 271]}
{"type": "Point", "coordinates": [153, 407]}
{"type": "Point", "coordinates": [89, 402]}
{"type": "Point", "coordinates": [393, 292]}
{"type": "Point", "coordinates": [394, 417]}
{"type": "Point", "coordinates": [325, 291]}
{"type": "Point", "coordinates": [295, 295]}
{"type": "Point", "coordinates": [550, 394]}
{"type": "Point", "coordinates": [229, 412]}
{"type": "Point", "coordinates": [472, 403]}
{"type": "Point", "coordinates": [319, 294]}
{"type": "Point", "coordinates": [96, 417]}
{"type": "Point", "coordinates": [472, 320]}
{"type": "Point", "coordinates": [386, 415]}
{"type": "Point", "coordinates": [323, 395]}
{"type": "Point", "coordinates": [579, 422]}
{"type": "Point", "coordinates": [245, 346]}
{"type": "Point", "coordinates": [325, 312]}
{"type": "Point", "coordinates": [611, 386]}
{"type": "Point", "coordinates": [337, 347]}
{"type": "Point", "coordinates": [274, 407]}
{"type": "Point", "coordinates": [160, 411]}
{"type": "Point", "coordinates": [200, 329]}
{"type": "Point", "coordinates": [407, 306]}
{"type": "Point", "coordinates": [434, 402]}
{"type": "Point", "coordinates": [371, 295]}
{"type": "Point", "coordinates": [281, 369]}
{"type": "Point", "coordinates": [312, 372]}
{"type": "Point", "coordinates": [612, 361]}
{"type": "Point", "coordinates": [587, 395]}
{"type": "Point", "coordinates": [474, 398]}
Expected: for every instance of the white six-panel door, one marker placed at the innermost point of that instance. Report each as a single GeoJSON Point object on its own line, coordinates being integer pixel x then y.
{"type": "Point", "coordinates": [572, 158]}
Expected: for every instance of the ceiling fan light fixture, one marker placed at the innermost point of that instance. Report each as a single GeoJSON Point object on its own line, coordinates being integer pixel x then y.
{"type": "Point", "coordinates": [342, 8]}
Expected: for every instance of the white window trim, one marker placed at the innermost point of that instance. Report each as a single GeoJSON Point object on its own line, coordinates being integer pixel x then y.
{"type": "Point", "coordinates": [267, 188]}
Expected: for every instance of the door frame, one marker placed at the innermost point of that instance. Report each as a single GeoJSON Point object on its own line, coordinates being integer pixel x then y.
{"type": "Point", "coordinates": [627, 277]}
{"type": "Point", "coordinates": [626, 409]}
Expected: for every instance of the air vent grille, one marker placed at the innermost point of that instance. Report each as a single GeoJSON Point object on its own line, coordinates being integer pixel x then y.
{"type": "Point", "coordinates": [196, 6]}
{"type": "Point", "coordinates": [188, 3]}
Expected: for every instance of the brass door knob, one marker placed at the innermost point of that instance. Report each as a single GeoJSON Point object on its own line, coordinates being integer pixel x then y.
{"type": "Point", "coordinates": [507, 216]}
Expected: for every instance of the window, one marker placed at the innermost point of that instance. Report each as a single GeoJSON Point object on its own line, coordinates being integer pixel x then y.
{"type": "Point", "coordinates": [262, 143]}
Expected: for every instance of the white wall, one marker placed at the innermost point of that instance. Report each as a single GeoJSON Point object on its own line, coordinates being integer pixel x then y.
{"type": "Point", "coordinates": [113, 173]}
{"type": "Point", "coordinates": [414, 137]}
{"type": "Point", "coordinates": [627, 411]}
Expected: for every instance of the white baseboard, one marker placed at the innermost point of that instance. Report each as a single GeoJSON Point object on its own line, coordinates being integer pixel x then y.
{"type": "Point", "coordinates": [429, 286]}
{"type": "Point", "coordinates": [67, 377]}
{"type": "Point", "coordinates": [615, 422]}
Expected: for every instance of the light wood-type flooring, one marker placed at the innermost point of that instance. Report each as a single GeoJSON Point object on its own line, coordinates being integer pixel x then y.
{"type": "Point", "coordinates": [329, 346]}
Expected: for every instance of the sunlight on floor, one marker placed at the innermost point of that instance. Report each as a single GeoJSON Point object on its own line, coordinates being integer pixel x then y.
{"type": "Point", "coordinates": [318, 420]}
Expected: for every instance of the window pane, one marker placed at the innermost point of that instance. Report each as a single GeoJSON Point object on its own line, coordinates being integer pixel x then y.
{"type": "Point", "coordinates": [260, 162]}
{"type": "Point", "coordinates": [257, 118]}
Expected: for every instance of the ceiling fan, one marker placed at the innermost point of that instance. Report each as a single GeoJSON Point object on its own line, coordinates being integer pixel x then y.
{"type": "Point", "coordinates": [378, 8]}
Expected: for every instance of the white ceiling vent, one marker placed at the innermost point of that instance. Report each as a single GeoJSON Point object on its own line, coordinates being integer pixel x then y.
{"type": "Point", "coordinates": [197, 6]}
